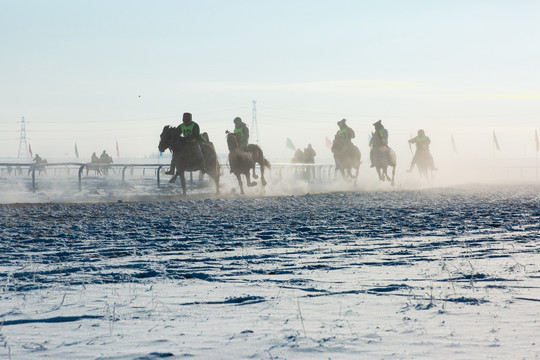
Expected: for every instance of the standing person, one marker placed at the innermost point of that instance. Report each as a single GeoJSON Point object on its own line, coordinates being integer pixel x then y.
{"type": "Point", "coordinates": [422, 149]}
{"type": "Point", "coordinates": [241, 132]}
{"type": "Point", "coordinates": [309, 155]}
{"type": "Point", "coordinates": [309, 158]}
{"type": "Point", "coordinates": [379, 139]}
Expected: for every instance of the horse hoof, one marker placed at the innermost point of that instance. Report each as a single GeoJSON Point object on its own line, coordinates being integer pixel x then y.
{"type": "Point", "coordinates": [172, 181]}
{"type": "Point", "coordinates": [255, 176]}
{"type": "Point", "coordinates": [263, 182]}
{"type": "Point", "coordinates": [252, 184]}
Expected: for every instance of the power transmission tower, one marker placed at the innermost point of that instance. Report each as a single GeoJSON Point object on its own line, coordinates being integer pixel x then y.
{"type": "Point", "coordinates": [23, 146]}
{"type": "Point", "coordinates": [254, 125]}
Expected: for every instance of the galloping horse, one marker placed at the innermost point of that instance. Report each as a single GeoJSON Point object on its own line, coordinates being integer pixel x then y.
{"type": "Point", "coordinates": [184, 158]}
{"type": "Point", "coordinates": [346, 156]}
{"type": "Point", "coordinates": [425, 164]}
{"type": "Point", "coordinates": [101, 167]}
{"type": "Point", "coordinates": [241, 162]}
{"type": "Point", "coordinates": [39, 166]}
{"type": "Point", "coordinates": [383, 157]}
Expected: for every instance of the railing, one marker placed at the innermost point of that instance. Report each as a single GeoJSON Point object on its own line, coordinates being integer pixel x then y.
{"type": "Point", "coordinates": [313, 172]}
{"type": "Point", "coordinates": [32, 168]}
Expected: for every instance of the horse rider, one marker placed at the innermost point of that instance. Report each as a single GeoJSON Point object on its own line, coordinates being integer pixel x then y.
{"type": "Point", "coordinates": [345, 132]}
{"type": "Point", "coordinates": [191, 133]}
{"type": "Point", "coordinates": [105, 158]}
{"type": "Point", "coordinates": [298, 157]}
{"type": "Point", "coordinates": [241, 132]}
{"type": "Point", "coordinates": [422, 149]}
{"type": "Point", "coordinates": [309, 155]}
{"type": "Point", "coordinates": [205, 139]}
{"type": "Point", "coordinates": [379, 139]}
{"type": "Point", "coordinates": [94, 158]}
{"type": "Point", "coordinates": [38, 159]}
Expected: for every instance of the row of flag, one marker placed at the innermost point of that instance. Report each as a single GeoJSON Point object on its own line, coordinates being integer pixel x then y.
{"type": "Point", "coordinates": [76, 150]}
{"type": "Point", "coordinates": [291, 146]}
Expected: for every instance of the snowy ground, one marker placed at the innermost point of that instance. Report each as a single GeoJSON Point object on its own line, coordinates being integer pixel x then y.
{"type": "Point", "coordinates": [451, 272]}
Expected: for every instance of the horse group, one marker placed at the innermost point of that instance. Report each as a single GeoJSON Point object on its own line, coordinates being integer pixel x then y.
{"type": "Point", "coordinates": [243, 161]}
{"type": "Point", "coordinates": [347, 157]}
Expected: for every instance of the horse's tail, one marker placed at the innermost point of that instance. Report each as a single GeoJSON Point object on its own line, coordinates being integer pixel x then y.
{"type": "Point", "coordinates": [266, 163]}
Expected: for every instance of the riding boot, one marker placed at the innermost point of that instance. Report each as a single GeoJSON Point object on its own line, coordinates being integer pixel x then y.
{"type": "Point", "coordinates": [171, 170]}
{"type": "Point", "coordinates": [203, 169]}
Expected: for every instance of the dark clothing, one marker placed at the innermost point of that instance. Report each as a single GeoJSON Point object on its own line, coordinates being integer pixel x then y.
{"type": "Point", "coordinates": [422, 143]}
{"type": "Point", "coordinates": [241, 132]}
{"type": "Point", "coordinates": [309, 155]}
{"type": "Point", "coordinates": [379, 138]}
{"type": "Point", "coordinates": [346, 133]}
{"type": "Point", "coordinates": [105, 158]}
{"type": "Point", "coordinates": [191, 132]}
{"type": "Point", "coordinates": [422, 150]}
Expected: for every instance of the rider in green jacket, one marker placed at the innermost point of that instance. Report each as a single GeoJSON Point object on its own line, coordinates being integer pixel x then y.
{"type": "Point", "coordinates": [422, 149]}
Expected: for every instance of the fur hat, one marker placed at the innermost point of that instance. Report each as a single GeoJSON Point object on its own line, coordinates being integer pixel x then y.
{"type": "Point", "coordinates": [377, 123]}
{"type": "Point", "coordinates": [237, 120]}
{"type": "Point", "coordinates": [186, 118]}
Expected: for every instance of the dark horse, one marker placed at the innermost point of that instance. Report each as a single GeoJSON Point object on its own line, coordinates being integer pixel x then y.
{"type": "Point", "coordinates": [383, 157]}
{"type": "Point", "coordinates": [185, 160]}
{"type": "Point", "coordinates": [425, 164]}
{"type": "Point", "coordinates": [241, 162]}
{"type": "Point", "coordinates": [346, 156]}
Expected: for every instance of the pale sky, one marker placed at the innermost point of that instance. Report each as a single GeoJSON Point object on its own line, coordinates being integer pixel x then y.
{"type": "Point", "coordinates": [96, 72]}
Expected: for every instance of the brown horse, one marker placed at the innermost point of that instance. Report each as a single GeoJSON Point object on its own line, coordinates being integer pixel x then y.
{"type": "Point", "coordinates": [346, 156]}
{"type": "Point", "coordinates": [185, 159]}
{"type": "Point", "coordinates": [383, 157]}
{"type": "Point", "coordinates": [241, 161]}
{"type": "Point", "coordinates": [258, 158]}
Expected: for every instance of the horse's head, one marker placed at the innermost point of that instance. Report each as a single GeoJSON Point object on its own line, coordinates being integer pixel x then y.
{"type": "Point", "coordinates": [232, 141]}
{"type": "Point", "coordinates": [165, 139]}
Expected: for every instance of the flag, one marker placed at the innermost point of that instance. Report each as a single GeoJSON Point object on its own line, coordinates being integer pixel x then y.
{"type": "Point", "coordinates": [290, 145]}
{"type": "Point", "coordinates": [453, 143]}
{"type": "Point", "coordinates": [328, 143]}
{"type": "Point", "coordinates": [537, 141]}
{"type": "Point", "coordinates": [76, 151]}
{"type": "Point", "coordinates": [117, 151]}
{"type": "Point", "coordinates": [30, 149]}
{"type": "Point", "coordinates": [495, 142]}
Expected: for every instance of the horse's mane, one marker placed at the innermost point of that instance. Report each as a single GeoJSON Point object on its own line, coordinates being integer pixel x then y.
{"type": "Point", "coordinates": [232, 141]}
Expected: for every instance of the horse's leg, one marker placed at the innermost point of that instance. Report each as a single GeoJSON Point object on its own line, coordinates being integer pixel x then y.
{"type": "Point", "coordinates": [182, 180]}
{"type": "Point", "coordinates": [261, 165]}
{"type": "Point", "coordinates": [393, 174]}
{"type": "Point", "coordinates": [380, 172]}
{"type": "Point", "coordinates": [214, 175]}
{"type": "Point", "coordinates": [253, 170]}
{"type": "Point", "coordinates": [255, 159]}
{"type": "Point", "coordinates": [239, 178]}
{"type": "Point", "coordinates": [356, 174]}
{"type": "Point", "coordinates": [248, 180]}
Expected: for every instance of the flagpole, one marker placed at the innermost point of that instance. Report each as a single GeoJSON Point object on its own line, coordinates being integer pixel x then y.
{"type": "Point", "coordinates": [537, 148]}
